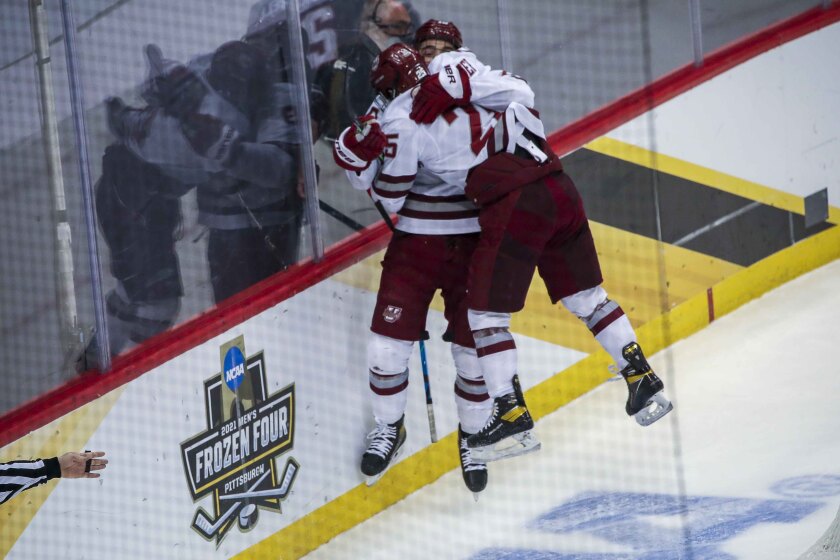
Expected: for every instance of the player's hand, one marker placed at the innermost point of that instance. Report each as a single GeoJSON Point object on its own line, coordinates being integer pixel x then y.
{"type": "Point", "coordinates": [210, 137]}
{"type": "Point", "coordinates": [431, 99]}
{"type": "Point", "coordinates": [359, 144]}
{"type": "Point", "coordinates": [81, 465]}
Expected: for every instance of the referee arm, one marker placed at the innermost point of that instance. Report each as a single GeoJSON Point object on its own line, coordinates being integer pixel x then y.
{"type": "Point", "coordinates": [17, 476]}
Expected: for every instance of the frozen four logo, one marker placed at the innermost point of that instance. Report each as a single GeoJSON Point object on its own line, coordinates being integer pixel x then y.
{"type": "Point", "coordinates": [235, 458]}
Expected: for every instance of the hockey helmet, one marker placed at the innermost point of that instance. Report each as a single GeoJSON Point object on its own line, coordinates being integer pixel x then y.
{"type": "Point", "coordinates": [437, 29]}
{"type": "Point", "coordinates": [236, 69]}
{"type": "Point", "coordinates": [397, 69]}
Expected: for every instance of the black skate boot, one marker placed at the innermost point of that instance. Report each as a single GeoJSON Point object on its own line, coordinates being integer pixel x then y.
{"type": "Point", "coordinates": [646, 402]}
{"type": "Point", "coordinates": [474, 472]}
{"type": "Point", "coordinates": [386, 441]}
{"type": "Point", "coordinates": [511, 422]}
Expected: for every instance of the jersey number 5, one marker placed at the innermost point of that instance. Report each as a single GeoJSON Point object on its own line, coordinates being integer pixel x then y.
{"type": "Point", "coordinates": [390, 150]}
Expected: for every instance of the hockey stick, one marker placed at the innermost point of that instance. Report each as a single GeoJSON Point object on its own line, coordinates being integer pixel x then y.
{"type": "Point", "coordinates": [340, 216]}
{"type": "Point", "coordinates": [207, 527]}
{"type": "Point", "coordinates": [430, 409]}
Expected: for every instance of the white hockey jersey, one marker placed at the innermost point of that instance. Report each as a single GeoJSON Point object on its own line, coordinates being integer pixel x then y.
{"type": "Point", "coordinates": [424, 169]}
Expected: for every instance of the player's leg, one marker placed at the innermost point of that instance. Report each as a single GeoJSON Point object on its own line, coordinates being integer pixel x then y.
{"type": "Point", "coordinates": [388, 382]}
{"type": "Point", "coordinates": [570, 269]}
{"type": "Point", "coordinates": [139, 215]}
{"type": "Point", "coordinates": [474, 408]}
{"type": "Point", "coordinates": [513, 233]}
{"type": "Point", "coordinates": [507, 431]}
{"type": "Point", "coordinates": [406, 288]}
{"type": "Point", "coordinates": [471, 399]}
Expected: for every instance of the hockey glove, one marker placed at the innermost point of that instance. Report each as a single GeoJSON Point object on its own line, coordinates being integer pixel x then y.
{"type": "Point", "coordinates": [359, 144]}
{"type": "Point", "coordinates": [180, 91]}
{"type": "Point", "coordinates": [210, 137]}
{"type": "Point", "coordinates": [434, 97]}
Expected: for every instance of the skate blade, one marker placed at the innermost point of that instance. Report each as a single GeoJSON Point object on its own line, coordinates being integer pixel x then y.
{"type": "Point", "coordinates": [513, 446]}
{"type": "Point", "coordinates": [657, 407]}
{"type": "Point", "coordinates": [371, 480]}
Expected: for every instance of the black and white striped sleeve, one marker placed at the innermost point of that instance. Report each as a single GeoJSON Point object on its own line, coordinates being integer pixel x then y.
{"type": "Point", "coordinates": [17, 476]}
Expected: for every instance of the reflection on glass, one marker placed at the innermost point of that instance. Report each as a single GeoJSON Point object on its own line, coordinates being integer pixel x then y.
{"type": "Point", "coordinates": [222, 127]}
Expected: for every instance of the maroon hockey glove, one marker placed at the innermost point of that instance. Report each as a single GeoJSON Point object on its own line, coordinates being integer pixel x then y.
{"type": "Point", "coordinates": [432, 99]}
{"type": "Point", "coordinates": [359, 144]}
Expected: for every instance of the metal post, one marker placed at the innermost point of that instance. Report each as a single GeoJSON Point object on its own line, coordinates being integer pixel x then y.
{"type": "Point", "coordinates": [301, 94]}
{"type": "Point", "coordinates": [72, 337]}
{"type": "Point", "coordinates": [696, 31]}
{"type": "Point", "coordinates": [504, 35]}
{"type": "Point", "coordinates": [78, 109]}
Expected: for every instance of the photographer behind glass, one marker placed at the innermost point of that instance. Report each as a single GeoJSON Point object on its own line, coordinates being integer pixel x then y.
{"type": "Point", "coordinates": [344, 84]}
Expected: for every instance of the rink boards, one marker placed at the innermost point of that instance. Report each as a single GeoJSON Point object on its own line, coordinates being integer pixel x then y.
{"type": "Point", "coordinates": [313, 344]}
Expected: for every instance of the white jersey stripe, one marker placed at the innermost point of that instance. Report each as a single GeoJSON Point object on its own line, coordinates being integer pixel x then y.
{"type": "Point", "coordinates": [25, 481]}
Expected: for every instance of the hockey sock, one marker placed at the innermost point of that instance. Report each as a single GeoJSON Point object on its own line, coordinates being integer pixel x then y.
{"type": "Point", "coordinates": [473, 403]}
{"type": "Point", "coordinates": [612, 330]}
{"type": "Point", "coordinates": [496, 352]}
{"type": "Point", "coordinates": [389, 395]}
{"type": "Point", "coordinates": [605, 320]}
{"type": "Point", "coordinates": [388, 375]}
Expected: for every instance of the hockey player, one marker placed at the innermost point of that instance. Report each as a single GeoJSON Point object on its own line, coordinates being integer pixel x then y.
{"type": "Point", "coordinates": [421, 178]}
{"type": "Point", "coordinates": [139, 213]}
{"type": "Point", "coordinates": [516, 239]}
{"type": "Point", "coordinates": [222, 126]}
{"type": "Point", "coordinates": [225, 125]}
{"type": "Point", "coordinates": [532, 217]}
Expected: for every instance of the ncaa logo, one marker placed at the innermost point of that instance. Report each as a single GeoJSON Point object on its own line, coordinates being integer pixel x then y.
{"type": "Point", "coordinates": [234, 364]}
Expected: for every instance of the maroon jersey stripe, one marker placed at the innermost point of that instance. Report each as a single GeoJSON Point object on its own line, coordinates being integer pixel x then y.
{"type": "Point", "coordinates": [389, 390]}
{"type": "Point", "coordinates": [432, 215]}
{"type": "Point", "coordinates": [471, 396]}
{"type": "Point", "coordinates": [395, 179]}
{"type": "Point", "coordinates": [388, 194]}
{"type": "Point", "coordinates": [428, 198]}
{"type": "Point", "coordinates": [496, 348]}
{"type": "Point", "coordinates": [606, 321]}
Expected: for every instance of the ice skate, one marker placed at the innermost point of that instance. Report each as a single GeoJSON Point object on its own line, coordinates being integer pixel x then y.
{"type": "Point", "coordinates": [474, 472]}
{"type": "Point", "coordinates": [386, 441]}
{"type": "Point", "coordinates": [646, 402]}
{"type": "Point", "coordinates": [507, 432]}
